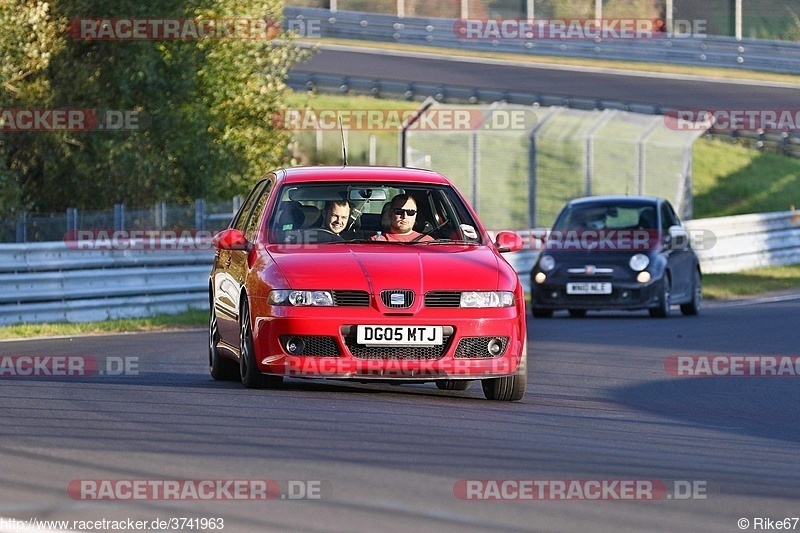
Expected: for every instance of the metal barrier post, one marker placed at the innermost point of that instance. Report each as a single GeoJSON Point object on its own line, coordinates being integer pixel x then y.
{"type": "Point", "coordinates": [22, 227]}
{"type": "Point", "coordinates": [119, 217]}
{"type": "Point", "coordinates": [199, 214]}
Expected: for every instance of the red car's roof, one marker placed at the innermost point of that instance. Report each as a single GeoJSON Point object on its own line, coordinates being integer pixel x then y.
{"type": "Point", "coordinates": [385, 174]}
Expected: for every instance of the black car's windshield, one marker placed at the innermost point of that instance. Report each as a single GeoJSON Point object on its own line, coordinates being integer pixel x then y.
{"type": "Point", "coordinates": [607, 216]}
{"type": "Point", "coordinates": [366, 213]}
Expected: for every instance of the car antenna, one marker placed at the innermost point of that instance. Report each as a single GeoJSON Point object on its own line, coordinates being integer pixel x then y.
{"type": "Point", "coordinates": [344, 145]}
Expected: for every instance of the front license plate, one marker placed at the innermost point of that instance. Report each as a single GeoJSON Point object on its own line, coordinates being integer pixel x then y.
{"type": "Point", "coordinates": [399, 335]}
{"type": "Point", "coordinates": [588, 288]}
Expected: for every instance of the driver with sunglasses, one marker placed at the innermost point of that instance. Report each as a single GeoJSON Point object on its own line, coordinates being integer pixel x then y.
{"type": "Point", "coordinates": [402, 216]}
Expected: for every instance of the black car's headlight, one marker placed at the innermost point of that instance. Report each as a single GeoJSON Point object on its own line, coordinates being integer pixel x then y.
{"type": "Point", "coordinates": [547, 263]}
{"type": "Point", "coordinates": [638, 262]}
{"type": "Point", "coordinates": [300, 298]}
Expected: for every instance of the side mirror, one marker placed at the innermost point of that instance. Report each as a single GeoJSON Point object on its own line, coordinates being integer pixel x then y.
{"type": "Point", "coordinates": [678, 238]}
{"type": "Point", "coordinates": [508, 241]}
{"type": "Point", "coordinates": [230, 239]}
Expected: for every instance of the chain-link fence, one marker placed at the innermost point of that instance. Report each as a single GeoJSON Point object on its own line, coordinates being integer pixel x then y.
{"type": "Point", "coordinates": [520, 165]}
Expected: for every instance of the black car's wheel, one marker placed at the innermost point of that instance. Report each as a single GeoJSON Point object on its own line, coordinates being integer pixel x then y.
{"type": "Point", "coordinates": [662, 309]}
{"type": "Point", "coordinates": [221, 368]}
{"type": "Point", "coordinates": [693, 307]}
{"type": "Point", "coordinates": [509, 388]}
{"type": "Point", "coordinates": [252, 378]}
{"type": "Point", "coordinates": [577, 313]}
{"type": "Point", "coordinates": [541, 313]}
{"type": "Point", "coordinates": [453, 384]}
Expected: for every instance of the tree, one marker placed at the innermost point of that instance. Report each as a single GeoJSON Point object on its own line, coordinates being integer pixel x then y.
{"type": "Point", "coordinates": [29, 36]}
{"type": "Point", "coordinates": [204, 106]}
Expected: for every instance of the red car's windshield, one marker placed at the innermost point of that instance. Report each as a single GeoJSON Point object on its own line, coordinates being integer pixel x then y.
{"type": "Point", "coordinates": [370, 212]}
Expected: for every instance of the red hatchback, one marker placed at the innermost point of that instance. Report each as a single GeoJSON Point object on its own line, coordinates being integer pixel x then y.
{"type": "Point", "coordinates": [368, 274]}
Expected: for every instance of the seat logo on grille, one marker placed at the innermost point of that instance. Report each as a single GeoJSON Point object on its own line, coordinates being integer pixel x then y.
{"type": "Point", "coordinates": [397, 298]}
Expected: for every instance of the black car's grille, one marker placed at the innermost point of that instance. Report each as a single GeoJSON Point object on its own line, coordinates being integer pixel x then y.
{"type": "Point", "coordinates": [473, 347]}
{"type": "Point", "coordinates": [396, 352]}
{"type": "Point", "coordinates": [316, 346]}
{"type": "Point", "coordinates": [351, 298]}
{"type": "Point", "coordinates": [443, 299]}
{"type": "Point", "coordinates": [616, 297]}
{"type": "Point", "coordinates": [407, 298]}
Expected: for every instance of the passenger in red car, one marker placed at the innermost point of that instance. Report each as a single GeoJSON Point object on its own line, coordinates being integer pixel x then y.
{"type": "Point", "coordinates": [402, 213]}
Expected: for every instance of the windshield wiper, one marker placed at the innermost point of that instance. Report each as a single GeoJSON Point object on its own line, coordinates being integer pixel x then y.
{"type": "Point", "coordinates": [449, 241]}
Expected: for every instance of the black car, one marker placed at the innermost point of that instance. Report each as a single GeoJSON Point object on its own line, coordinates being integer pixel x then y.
{"type": "Point", "coordinates": [616, 252]}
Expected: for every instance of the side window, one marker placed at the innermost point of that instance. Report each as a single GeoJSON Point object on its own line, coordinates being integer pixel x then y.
{"type": "Point", "coordinates": [258, 210]}
{"type": "Point", "coordinates": [667, 217]}
{"type": "Point", "coordinates": [240, 221]}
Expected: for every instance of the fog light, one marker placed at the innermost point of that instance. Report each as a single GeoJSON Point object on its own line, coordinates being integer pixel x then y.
{"type": "Point", "coordinates": [540, 277]}
{"type": "Point", "coordinates": [495, 347]}
{"type": "Point", "coordinates": [295, 346]}
{"type": "Point", "coordinates": [554, 295]}
{"type": "Point", "coordinates": [625, 294]}
{"type": "Point", "coordinates": [643, 277]}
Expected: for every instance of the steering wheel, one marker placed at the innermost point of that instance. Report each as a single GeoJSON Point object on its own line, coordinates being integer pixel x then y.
{"type": "Point", "coordinates": [437, 228]}
{"type": "Point", "coordinates": [323, 234]}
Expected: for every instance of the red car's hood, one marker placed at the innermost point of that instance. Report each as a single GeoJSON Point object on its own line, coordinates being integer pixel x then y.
{"type": "Point", "coordinates": [375, 267]}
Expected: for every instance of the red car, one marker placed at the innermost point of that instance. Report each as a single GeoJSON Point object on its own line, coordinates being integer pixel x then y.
{"type": "Point", "coordinates": [368, 274]}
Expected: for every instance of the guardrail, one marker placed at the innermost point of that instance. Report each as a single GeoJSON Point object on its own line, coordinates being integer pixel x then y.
{"type": "Point", "coordinates": [748, 241]}
{"type": "Point", "coordinates": [52, 282]}
{"type": "Point", "coordinates": [716, 51]}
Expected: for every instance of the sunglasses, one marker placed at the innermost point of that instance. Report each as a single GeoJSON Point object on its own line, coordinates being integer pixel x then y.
{"type": "Point", "coordinates": [408, 212]}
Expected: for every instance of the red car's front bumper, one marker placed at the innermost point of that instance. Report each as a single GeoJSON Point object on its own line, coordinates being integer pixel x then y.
{"type": "Point", "coordinates": [330, 350]}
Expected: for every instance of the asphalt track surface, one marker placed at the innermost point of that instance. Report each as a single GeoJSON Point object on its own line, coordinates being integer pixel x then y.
{"type": "Point", "coordinates": [667, 91]}
{"type": "Point", "coordinates": [600, 406]}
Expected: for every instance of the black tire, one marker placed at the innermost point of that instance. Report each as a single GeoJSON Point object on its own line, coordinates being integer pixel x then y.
{"type": "Point", "coordinates": [577, 313]}
{"type": "Point", "coordinates": [693, 308]}
{"type": "Point", "coordinates": [541, 313]}
{"type": "Point", "coordinates": [509, 388]}
{"type": "Point", "coordinates": [662, 309]}
{"type": "Point", "coordinates": [453, 384]}
{"type": "Point", "coordinates": [221, 368]}
{"type": "Point", "coordinates": [252, 378]}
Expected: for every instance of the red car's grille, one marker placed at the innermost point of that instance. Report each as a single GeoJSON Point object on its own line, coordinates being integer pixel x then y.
{"type": "Point", "coordinates": [396, 352]}
{"type": "Point", "coordinates": [473, 347]}
{"type": "Point", "coordinates": [351, 298]}
{"type": "Point", "coordinates": [397, 298]}
{"type": "Point", "coordinates": [443, 299]}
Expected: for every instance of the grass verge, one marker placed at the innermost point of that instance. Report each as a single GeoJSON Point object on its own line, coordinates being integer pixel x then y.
{"type": "Point", "coordinates": [751, 282]}
{"type": "Point", "coordinates": [190, 319]}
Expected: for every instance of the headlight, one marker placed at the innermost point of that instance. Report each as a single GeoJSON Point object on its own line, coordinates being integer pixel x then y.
{"type": "Point", "coordinates": [547, 263]}
{"type": "Point", "coordinates": [487, 299]}
{"type": "Point", "coordinates": [639, 262]}
{"type": "Point", "coordinates": [300, 298]}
